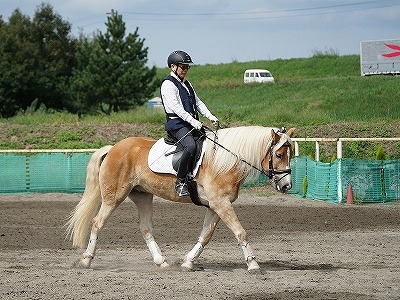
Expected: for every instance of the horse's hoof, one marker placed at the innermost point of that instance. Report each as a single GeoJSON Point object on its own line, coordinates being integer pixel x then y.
{"type": "Point", "coordinates": [187, 266]}
{"type": "Point", "coordinates": [252, 266]}
{"type": "Point", "coordinates": [164, 265]}
{"type": "Point", "coordinates": [82, 263]}
{"type": "Point", "coordinates": [254, 271]}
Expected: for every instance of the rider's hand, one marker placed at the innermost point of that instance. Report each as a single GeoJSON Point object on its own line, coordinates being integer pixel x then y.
{"type": "Point", "coordinates": [214, 120]}
{"type": "Point", "coordinates": [196, 124]}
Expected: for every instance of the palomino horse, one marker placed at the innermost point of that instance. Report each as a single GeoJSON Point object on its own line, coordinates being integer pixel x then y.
{"type": "Point", "coordinates": [120, 171]}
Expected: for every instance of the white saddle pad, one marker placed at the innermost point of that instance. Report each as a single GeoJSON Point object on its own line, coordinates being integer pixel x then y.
{"type": "Point", "coordinates": [160, 162]}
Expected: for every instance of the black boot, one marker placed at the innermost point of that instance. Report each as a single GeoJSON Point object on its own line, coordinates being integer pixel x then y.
{"type": "Point", "coordinates": [181, 187]}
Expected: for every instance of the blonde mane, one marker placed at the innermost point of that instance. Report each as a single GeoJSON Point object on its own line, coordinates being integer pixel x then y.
{"type": "Point", "coordinates": [249, 143]}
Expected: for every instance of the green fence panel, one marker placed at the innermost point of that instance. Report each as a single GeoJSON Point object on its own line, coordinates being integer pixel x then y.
{"type": "Point", "coordinates": [372, 181]}
{"type": "Point", "coordinates": [318, 180]}
{"type": "Point", "coordinates": [77, 171]}
{"type": "Point", "coordinates": [47, 172]}
{"type": "Point", "coordinates": [13, 170]}
{"type": "Point", "coordinates": [299, 173]}
{"type": "Point", "coordinates": [58, 172]}
{"type": "Point", "coordinates": [43, 172]}
{"type": "Point", "coordinates": [321, 179]}
{"type": "Point", "coordinates": [366, 179]}
{"type": "Point", "coordinates": [391, 172]}
{"type": "Point", "coordinates": [333, 182]}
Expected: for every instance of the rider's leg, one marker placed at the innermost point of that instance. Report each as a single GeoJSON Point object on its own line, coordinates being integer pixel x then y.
{"type": "Point", "coordinates": [185, 138]}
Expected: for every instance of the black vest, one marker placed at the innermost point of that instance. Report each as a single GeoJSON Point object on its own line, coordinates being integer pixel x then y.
{"type": "Point", "coordinates": [188, 101]}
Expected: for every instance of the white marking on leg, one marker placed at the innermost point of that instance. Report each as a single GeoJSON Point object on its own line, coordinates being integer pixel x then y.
{"type": "Point", "coordinates": [91, 248]}
{"type": "Point", "coordinates": [249, 257]}
{"type": "Point", "coordinates": [195, 252]}
{"type": "Point", "coordinates": [247, 251]}
{"type": "Point", "coordinates": [155, 252]}
{"type": "Point", "coordinates": [192, 255]}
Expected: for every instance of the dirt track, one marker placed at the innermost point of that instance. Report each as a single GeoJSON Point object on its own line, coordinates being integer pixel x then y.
{"type": "Point", "coordinates": [306, 250]}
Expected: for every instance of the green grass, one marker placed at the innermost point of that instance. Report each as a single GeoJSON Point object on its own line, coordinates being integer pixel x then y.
{"type": "Point", "coordinates": [313, 94]}
{"type": "Point", "coordinates": [139, 115]}
{"type": "Point", "coordinates": [308, 91]}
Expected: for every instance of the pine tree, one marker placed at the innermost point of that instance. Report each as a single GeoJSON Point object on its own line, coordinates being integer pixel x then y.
{"type": "Point", "coordinates": [112, 74]}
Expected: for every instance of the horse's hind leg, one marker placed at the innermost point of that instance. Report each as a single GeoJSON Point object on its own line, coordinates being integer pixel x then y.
{"type": "Point", "coordinates": [98, 222]}
{"type": "Point", "coordinates": [144, 203]}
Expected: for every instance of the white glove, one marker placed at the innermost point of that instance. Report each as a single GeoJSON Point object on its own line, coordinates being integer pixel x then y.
{"type": "Point", "coordinates": [196, 124]}
{"type": "Point", "coordinates": [214, 120]}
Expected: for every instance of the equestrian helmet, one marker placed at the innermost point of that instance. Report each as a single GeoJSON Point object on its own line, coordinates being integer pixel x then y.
{"type": "Point", "coordinates": [179, 57]}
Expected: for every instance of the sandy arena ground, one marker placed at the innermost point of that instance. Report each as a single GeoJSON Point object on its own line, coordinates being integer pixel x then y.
{"type": "Point", "coordinates": [306, 250]}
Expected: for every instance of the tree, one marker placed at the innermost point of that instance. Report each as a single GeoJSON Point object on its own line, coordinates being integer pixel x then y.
{"type": "Point", "coordinates": [111, 73]}
{"type": "Point", "coordinates": [16, 62]}
{"type": "Point", "coordinates": [55, 56]}
{"type": "Point", "coordinates": [36, 61]}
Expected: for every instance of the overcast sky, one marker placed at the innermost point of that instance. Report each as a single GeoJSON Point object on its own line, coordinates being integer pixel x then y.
{"type": "Point", "coordinates": [222, 31]}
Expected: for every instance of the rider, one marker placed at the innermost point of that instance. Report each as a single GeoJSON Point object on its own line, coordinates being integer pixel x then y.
{"type": "Point", "coordinates": [181, 105]}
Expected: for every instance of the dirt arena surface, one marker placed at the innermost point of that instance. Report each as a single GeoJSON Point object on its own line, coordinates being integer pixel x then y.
{"type": "Point", "coordinates": [306, 250]}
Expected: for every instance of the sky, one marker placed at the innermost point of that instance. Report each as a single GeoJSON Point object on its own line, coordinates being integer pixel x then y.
{"type": "Point", "coordinates": [223, 31]}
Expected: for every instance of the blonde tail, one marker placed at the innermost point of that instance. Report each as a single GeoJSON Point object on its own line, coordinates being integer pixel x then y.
{"type": "Point", "coordinates": [80, 220]}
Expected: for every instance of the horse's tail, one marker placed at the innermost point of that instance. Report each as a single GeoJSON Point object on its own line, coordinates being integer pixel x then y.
{"type": "Point", "coordinates": [78, 224]}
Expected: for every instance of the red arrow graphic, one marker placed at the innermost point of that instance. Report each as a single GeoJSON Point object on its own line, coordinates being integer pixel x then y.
{"type": "Point", "coordinates": [392, 54]}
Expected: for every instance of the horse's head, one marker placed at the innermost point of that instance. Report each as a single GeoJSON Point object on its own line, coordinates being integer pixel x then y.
{"type": "Point", "coordinates": [277, 161]}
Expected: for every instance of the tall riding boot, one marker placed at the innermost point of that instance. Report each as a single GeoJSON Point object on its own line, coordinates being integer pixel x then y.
{"type": "Point", "coordinates": [181, 185]}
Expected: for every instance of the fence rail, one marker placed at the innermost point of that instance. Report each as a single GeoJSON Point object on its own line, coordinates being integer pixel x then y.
{"type": "Point", "coordinates": [48, 151]}
{"type": "Point", "coordinates": [339, 143]}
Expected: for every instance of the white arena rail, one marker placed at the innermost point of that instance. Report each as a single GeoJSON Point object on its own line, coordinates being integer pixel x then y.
{"type": "Point", "coordinates": [338, 141]}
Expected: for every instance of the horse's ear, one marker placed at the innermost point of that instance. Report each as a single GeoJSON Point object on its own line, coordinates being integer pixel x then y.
{"type": "Point", "coordinates": [291, 131]}
{"type": "Point", "coordinates": [275, 136]}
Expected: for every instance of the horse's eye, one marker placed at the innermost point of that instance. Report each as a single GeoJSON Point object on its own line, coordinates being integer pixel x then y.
{"type": "Point", "coordinates": [278, 155]}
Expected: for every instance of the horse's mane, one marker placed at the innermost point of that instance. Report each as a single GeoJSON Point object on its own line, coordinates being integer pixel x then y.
{"type": "Point", "coordinates": [248, 143]}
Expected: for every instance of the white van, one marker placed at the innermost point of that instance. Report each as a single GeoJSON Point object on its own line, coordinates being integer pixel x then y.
{"type": "Point", "coordinates": [258, 75]}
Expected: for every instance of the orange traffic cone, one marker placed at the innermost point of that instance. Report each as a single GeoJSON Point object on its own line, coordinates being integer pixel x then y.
{"type": "Point", "coordinates": [350, 198]}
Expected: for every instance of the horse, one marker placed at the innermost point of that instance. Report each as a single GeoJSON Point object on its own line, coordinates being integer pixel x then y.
{"type": "Point", "coordinates": [117, 172]}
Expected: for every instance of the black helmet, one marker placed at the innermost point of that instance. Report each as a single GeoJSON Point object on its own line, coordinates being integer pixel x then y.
{"type": "Point", "coordinates": [179, 57]}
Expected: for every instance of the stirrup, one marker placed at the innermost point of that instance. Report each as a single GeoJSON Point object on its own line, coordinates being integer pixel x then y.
{"type": "Point", "coordinates": [181, 188]}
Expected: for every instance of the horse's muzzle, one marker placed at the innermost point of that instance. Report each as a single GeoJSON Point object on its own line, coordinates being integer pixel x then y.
{"type": "Point", "coordinates": [282, 183]}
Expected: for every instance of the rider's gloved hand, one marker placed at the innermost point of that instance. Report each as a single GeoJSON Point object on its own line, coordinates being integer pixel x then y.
{"type": "Point", "coordinates": [196, 124]}
{"type": "Point", "coordinates": [214, 120]}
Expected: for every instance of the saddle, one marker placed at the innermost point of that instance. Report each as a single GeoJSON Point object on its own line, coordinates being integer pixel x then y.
{"type": "Point", "coordinates": [164, 157]}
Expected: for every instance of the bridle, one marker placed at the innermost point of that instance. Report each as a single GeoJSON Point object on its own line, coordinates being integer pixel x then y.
{"type": "Point", "coordinates": [271, 172]}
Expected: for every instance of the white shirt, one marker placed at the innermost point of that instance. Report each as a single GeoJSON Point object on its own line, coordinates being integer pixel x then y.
{"type": "Point", "coordinates": [172, 100]}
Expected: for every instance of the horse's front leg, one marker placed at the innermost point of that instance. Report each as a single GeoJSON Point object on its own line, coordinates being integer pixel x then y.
{"type": "Point", "coordinates": [211, 220]}
{"type": "Point", "coordinates": [227, 214]}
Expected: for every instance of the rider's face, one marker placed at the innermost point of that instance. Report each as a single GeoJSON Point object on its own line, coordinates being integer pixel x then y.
{"type": "Point", "coordinates": [181, 70]}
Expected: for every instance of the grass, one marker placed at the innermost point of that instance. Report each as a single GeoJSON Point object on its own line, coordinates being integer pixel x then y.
{"type": "Point", "coordinates": [139, 115]}
{"type": "Point", "coordinates": [309, 101]}
{"type": "Point", "coordinates": [322, 96]}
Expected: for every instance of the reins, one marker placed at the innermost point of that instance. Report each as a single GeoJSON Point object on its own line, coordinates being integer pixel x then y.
{"type": "Point", "coordinates": [271, 172]}
{"type": "Point", "coordinates": [234, 154]}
